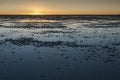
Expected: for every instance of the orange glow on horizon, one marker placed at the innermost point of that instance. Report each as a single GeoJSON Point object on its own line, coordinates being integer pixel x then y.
{"type": "Point", "coordinates": [39, 10]}
{"type": "Point", "coordinates": [51, 7]}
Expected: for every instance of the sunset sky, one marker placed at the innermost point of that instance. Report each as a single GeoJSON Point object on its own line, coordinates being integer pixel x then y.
{"type": "Point", "coordinates": [59, 7]}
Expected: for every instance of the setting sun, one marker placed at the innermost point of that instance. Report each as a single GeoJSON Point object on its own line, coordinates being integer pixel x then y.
{"type": "Point", "coordinates": [36, 12]}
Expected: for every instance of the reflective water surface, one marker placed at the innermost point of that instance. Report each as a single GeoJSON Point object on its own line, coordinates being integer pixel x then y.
{"type": "Point", "coordinates": [59, 47]}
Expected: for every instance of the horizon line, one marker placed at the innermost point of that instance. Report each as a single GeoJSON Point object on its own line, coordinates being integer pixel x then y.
{"type": "Point", "coordinates": [55, 14]}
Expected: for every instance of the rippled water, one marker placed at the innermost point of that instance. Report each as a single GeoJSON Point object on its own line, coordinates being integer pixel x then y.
{"type": "Point", "coordinates": [59, 47]}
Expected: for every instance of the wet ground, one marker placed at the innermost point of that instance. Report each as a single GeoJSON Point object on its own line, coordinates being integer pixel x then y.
{"type": "Point", "coordinates": [59, 47]}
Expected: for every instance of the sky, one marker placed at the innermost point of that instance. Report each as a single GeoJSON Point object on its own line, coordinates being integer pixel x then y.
{"type": "Point", "coordinates": [59, 7]}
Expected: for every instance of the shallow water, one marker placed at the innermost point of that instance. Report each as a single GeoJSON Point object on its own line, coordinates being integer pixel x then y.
{"type": "Point", "coordinates": [59, 47]}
